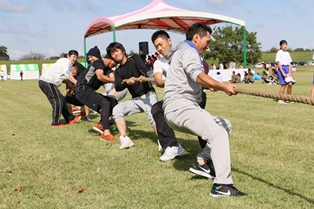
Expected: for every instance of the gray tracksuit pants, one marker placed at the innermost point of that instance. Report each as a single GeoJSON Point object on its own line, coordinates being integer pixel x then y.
{"type": "Point", "coordinates": [194, 120]}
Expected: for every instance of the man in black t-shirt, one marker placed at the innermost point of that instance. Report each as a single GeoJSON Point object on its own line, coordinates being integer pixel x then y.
{"type": "Point", "coordinates": [143, 93]}
{"type": "Point", "coordinates": [89, 81]}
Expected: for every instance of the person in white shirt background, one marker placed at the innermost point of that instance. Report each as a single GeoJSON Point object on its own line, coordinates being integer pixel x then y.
{"type": "Point", "coordinates": [284, 60]}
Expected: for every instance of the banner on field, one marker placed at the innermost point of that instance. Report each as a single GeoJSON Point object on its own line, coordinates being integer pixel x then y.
{"type": "Point", "coordinates": [24, 71]}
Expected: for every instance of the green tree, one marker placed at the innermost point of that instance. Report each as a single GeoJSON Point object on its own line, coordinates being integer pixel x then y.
{"type": "Point", "coordinates": [130, 53]}
{"type": "Point", "coordinates": [4, 53]}
{"type": "Point", "coordinates": [228, 45]}
{"type": "Point", "coordinates": [299, 50]}
{"type": "Point", "coordinates": [273, 49]}
{"type": "Point", "coordinates": [32, 56]}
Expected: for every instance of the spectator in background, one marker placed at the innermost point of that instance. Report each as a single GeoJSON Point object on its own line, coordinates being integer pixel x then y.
{"type": "Point", "coordinates": [213, 67]}
{"type": "Point", "coordinates": [21, 74]}
{"type": "Point", "coordinates": [149, 63]}
{"type": "Point", "coordinates": [233, 77]}
{"type": "Point", "coordinates": [157, 55]}
{"type": "Point", "coordinates": [238, 78]}
{"type": "Point", "coordinates": [246, 77]}
{"type": "Point", "coordinates": [312, 94]}
{"type": "Point", "coordinates": [221, 66]}
{"type": "Point", "coordinates": [284, 60]}
{"type": "Point", "coordinates": [265, 77]}
{"type": "Point", "coordinates": [250, 78]}
{"type": "Point", "coordinates": [206, 67]}
{"type": "Point", "coordinates": [2, 75]}
{"type": "Point", "coordinates": [219, 78]}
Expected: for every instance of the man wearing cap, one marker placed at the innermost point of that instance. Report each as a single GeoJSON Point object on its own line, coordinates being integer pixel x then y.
{"type": "Point", "coordinates": [89, 81]}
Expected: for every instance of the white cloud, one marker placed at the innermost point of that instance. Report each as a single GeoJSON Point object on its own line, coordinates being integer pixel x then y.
{"type": "Point", "coordinates": [12, 7]}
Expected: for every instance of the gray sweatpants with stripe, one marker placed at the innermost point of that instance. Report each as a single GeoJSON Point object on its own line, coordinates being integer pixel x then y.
{"type": "Point", "coordinates": [136, 105]}
{"type": "Point", "coordinates": [194, 120]}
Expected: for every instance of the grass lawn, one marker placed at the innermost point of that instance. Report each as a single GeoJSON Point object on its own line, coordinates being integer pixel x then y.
{"type": "Point", "coordinates": [43, 167]}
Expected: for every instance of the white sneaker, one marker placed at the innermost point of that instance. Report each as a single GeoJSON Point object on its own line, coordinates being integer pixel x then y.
{"type": "Point", "coordinates": [160, 149]}
{"type": "Point", "coordinates": [126, 142]}
{"type": "Point", "coordinates": [172, 152]}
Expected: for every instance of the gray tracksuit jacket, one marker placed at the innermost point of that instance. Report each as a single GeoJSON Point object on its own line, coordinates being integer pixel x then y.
{"type": "Point", "coordinates": [181, 89]}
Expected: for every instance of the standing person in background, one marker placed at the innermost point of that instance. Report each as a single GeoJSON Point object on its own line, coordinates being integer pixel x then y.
{"type": "Point", "coordinates": [21, 74]}
{"type": "Point", "coordinates": [2, 75]}
{"type": "Point", "coordinates": [206, 67]}
{"type": "Point", "coordinates": [49, 82]}
{"type": "Point", "coordinates": [283, 60]}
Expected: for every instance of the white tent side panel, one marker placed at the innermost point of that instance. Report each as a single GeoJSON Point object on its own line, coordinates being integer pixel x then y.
{"type": "Point", "coordinates": [3, 68]}
{"type": "Point", "coordinates": [30, 71]}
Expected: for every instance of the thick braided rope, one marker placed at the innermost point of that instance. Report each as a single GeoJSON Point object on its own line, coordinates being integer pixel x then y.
{"type": "Point", "coordinates": [285, 97]}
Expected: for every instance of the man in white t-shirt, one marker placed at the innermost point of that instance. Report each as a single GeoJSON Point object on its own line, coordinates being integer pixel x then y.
{"type": "Point", "coordinates": [49, 82]}
{"type": "Point", "coordinates": [284, 60]}
{"type": "Point", "coordinates": [166, 137]}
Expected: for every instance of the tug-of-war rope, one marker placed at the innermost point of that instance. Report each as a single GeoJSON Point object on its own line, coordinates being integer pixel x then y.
{"type": "Point", "coordinates": [284, 97]}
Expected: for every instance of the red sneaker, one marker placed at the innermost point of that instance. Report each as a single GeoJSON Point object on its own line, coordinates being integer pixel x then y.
{"type": "Point", "coordinates": [58, 125]}
{"type": "Point", "coordinates": [108, 137]}
{"type": "Point", "coordinates": [99, 128]}
{"type": "Point", "coordinates": [75, 120]}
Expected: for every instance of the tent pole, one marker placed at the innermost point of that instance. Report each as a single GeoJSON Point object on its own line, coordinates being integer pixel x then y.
{"type": "Point", "coordinates": [114, 34]}
{"type": "Point", "coordinates": [244, 46]}
{"type": "Point", "coordinates": [85, 59]}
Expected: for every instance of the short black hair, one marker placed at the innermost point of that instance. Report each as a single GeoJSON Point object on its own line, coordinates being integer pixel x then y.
{"type": "Point", "coordinates": [199, 29]}
{"type": "Point", "coordinates": [283, 42]}
{"type": "Point", "coordinates": [113, 46]}
{"type": "Point", "coordinates": [73, 52]}
{"type": "Point", "coordinates": [160, 34]}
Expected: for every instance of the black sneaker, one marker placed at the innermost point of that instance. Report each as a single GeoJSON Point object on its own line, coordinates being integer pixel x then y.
{"type": "Point", "coordinates": [225, 190]}
{"type": "Point", "coordinates": [202, 170]}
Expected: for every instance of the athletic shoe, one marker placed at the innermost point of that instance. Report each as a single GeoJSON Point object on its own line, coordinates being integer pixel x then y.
{"type": "Point", "coordinates": [225, 190]}
{"type": "Point", "coordinates": [99, 128]}
{"type": "Point", "coordinates": [202, 170]}
{"type": "Point", "coordinates": [281, 102]}
{"type": "Point", "coordinates": [160, 149]}
{"type": "Point", "coordinates": [83, 114]}
{"type": "Point", "coordinates": [76, 119]}
{"type": "Point", "coordinates": [108, 137]}
{"type": "Point", "coordinates": [126, 142]}
{"type": "Point", "coordinates": [172, 152]}
{"type": "Point", "coordinates": [58, 125]}
{"type": "Point", "coordinates": [87, 118]}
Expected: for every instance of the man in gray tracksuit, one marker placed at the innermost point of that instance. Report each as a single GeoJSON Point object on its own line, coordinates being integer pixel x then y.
{"type": "Point", "coordinates": [182, 94]}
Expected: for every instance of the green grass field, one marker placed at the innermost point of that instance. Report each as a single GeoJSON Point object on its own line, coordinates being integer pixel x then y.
{"type": "Point", "coordinates": [43, 167]}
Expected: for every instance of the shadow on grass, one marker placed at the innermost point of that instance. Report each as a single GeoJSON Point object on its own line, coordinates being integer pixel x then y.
{"type": "Point", "coordinates": [274, 186]}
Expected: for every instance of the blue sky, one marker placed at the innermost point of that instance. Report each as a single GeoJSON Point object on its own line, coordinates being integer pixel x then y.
{"type": "Point", "coordinates": [53, 27]}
